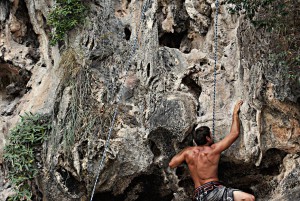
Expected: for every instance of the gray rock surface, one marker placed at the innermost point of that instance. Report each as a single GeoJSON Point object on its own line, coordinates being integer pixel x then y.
{"type": "Point", "coordinates": [157, 70]}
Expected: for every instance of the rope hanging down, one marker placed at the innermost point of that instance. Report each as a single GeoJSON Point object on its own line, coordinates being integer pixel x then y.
{"type": "Point", "coordinates": [119, 97]}
{"type": "Point", "coordinates": [215, 67]}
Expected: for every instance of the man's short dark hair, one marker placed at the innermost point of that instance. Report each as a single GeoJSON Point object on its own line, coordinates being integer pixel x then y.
{"type": "Point", "coordinates": [200, 135]}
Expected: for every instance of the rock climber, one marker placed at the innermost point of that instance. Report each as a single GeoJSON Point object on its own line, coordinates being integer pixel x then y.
{"type": "Point", "coordinates": [203, 161]}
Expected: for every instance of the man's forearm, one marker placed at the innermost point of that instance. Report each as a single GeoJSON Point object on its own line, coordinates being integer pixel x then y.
{"type": "Point", "coordinates": [235, 126]}
{"type": "Point", "coordinates": [177, 159]}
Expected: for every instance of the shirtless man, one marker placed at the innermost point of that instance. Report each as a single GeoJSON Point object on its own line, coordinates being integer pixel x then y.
{"type": "Point", "coordinates": [203, 161]}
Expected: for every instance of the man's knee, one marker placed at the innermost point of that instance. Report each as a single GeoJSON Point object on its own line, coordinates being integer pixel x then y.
{"type": "Point", "coordinates": [242, 196]}
{"type": "Point", "coordinates": [251, 197]}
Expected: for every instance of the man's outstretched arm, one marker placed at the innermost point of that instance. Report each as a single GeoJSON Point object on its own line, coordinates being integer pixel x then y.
{"type": "Point", "coordinates": [235, 126]}
{"type": "Point", "coordinates": [234, 131]}
{"type": "Point", "coordinates": [178, 159]}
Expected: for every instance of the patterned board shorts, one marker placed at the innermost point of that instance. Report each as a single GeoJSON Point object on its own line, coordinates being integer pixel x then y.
{"type": "Point", "coordinates": [213, 191]}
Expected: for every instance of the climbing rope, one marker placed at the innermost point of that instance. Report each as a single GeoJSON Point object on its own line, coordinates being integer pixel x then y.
{"type": "Point", "coordinates": [119, 97]}
{"type": "Point", "coordinates": [215, 67]}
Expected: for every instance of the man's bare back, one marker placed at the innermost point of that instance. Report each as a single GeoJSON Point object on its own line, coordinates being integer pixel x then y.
{"type": "Point", "coordinates": [203, 164]}
{"type": "Point", "coordinates": [203, 160]}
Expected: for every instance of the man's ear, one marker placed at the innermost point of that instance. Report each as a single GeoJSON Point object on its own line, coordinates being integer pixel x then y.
{"type": "Point", "coordinates": [208, 139]}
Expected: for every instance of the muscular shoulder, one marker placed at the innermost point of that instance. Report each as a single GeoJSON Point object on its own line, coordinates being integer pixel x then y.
{"type": "Point", "coordinates": [190, 152]}
{"type": "Point", "coordinates": [186, 150]}
{"type": "Point", "coordinates": [214, 149]}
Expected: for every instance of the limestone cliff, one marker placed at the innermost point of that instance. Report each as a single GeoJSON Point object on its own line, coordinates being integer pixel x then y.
{"type": "Point", "coordinates": [153, 60]}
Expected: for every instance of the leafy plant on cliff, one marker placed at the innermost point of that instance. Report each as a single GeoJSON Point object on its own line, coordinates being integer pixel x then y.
{"type": "Point", "coordinates": [84, 121]}
{"type": "Point", "coordinates": [20, 153]}
{"type": "Point", "coordinates": [65, 16]}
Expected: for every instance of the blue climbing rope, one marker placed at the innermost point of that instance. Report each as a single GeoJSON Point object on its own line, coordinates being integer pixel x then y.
{"type": "Point", "coordinates": [215, 67]}
{"type": "Point", "coordinates": [119, 97]}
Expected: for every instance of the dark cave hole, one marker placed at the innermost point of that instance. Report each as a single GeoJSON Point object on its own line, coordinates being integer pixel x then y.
{"type": "Point", "coordinates": [185, 180]}
{"type": "Point", "coordinates": [192, 85]}
{"type": "Point", "coordinates": [142, 188]}
{"type": "Point", "coordinates": [198, 110]}
{"type": "Point", "coordinates": [202, 63]}
{"type": "Point", "coordinates": [13, 80]}
{"type": "Point", "coordinates": [188, 184]}
{"type": "Point", "coordinates": [30, 38]}
{"type": "Point", "coordinates": [5, 80]}
{"type": "Point", "coordinates": [73, 185]}
{"type": "Point", "coordinates": [127, 33]}
{"type": "Point", "coordinates": [148, 70]}
{"type": "Point", "coordinates": [172, 40]}
{"type": "Point", "coordinates": [272, 160]}
{"type": "Point", "coordinates": [129, 1]}
{"type": "Point", "coordinates": [179, 171]}
{"type": "Point", "coordinates": [245, 176]}
{"type": "Point", "coordinates": [240, 176]}
{"type": "Point", "coordinates": [156, 152]}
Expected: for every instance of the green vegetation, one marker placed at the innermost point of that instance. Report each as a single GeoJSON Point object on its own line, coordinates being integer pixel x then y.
{"type": "Point", "coordinates": [272, 9]}
{"type": "Point", "coordinates": [281, 19]}
{"type": "Point", "coordinates": [20, 153]}
{"type": "Point", "coordinates": [85, 118]}
{"type": "Point", "coordinates": [70, 62]}
{"type": "Point", "coordinates": [65, 16]}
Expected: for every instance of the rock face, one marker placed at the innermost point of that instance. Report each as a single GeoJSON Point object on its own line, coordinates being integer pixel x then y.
{"type": "Point", "coordinates": [150, 64]}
